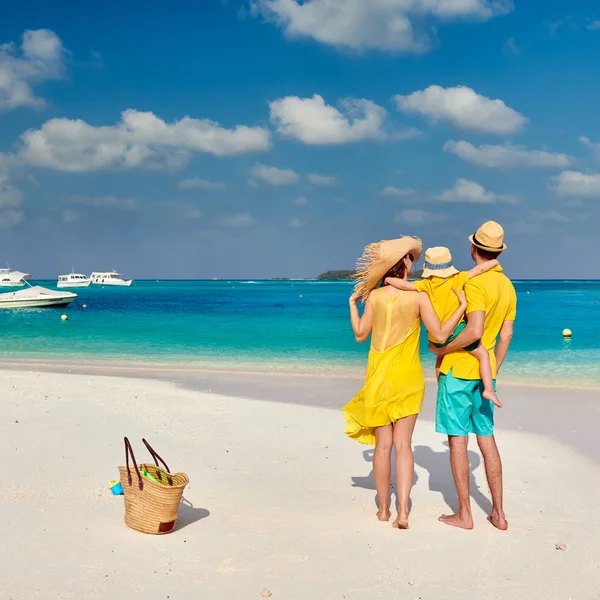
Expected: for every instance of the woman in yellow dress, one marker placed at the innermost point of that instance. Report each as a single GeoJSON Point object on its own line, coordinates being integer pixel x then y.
{"type": "Point", "coordinates": [385, 410]}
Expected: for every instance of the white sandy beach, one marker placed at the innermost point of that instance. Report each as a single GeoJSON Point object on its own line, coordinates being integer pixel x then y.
{"type": "Point", "coordinates": [280, 498]}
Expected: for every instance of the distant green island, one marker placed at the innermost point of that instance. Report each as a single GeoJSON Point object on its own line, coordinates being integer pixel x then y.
{"type": "Point", "coordinates": [344, 275]}
{"type": "Point", "coordinates": [336, 275]}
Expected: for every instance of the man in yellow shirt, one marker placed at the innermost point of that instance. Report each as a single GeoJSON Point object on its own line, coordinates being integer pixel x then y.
{"type": "Point", "coordinates": [461, 409]}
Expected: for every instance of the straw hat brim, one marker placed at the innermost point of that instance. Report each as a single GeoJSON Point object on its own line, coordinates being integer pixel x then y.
{"type": "Point", "coordinates": [377, 259]}
{"type": "Point", "coordinates": [443, 273]}
{"type": "Point", "coordinates": [487, 248]}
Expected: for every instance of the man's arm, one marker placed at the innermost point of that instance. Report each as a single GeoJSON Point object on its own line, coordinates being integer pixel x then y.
{"type": "Point", "coordinates": [506, 334]}
{"type": "Point", "coordinates": [470, 334]}
{"type": "Point", "coordinates": [484, 267]}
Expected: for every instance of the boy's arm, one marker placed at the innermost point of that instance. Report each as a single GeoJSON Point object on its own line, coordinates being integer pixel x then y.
{"type": "Point", "coordinates": [484, 267]}
{"type": "Point", "coordinates": [401, 284]}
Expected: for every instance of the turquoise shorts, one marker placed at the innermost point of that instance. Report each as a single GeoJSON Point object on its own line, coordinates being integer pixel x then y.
{"type": "Point", "coordinates": [461, 409]}
{"type": "Point", "coordinates": [454, 334]}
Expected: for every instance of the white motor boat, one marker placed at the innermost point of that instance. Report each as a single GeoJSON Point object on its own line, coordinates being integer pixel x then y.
{"type": "Point", "coordinates": [73, 280]}
{"type": "Point", "coordinates": [110, 278]}
{"type": "Point", "coordinates": [36, 297]}
{"type": "Point", "coordinates": [10, 278]}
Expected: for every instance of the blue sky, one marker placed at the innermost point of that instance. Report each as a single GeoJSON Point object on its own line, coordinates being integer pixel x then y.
{"type": "Point", "coordinates": [277, 138]}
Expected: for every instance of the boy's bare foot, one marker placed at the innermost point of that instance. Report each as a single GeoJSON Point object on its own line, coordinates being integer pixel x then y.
{"type": "Point", "coordinates": [498, 521]}
{"type": "Point", "coordinates": [400, 523]}
{"type": "Point", "coordinates": [457, 521]}
{"type": "Point", "coordinates": [384, 515]}
{"type": "Point", "coordinates": [491, 396]}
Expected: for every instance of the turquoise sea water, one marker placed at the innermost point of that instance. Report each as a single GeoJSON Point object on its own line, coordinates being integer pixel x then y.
{"type": "Point", "coordinates": [299, 326]}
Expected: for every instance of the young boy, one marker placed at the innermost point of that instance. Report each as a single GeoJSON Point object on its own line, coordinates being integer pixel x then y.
{"type": "Point", "coordinates": [439, 277]}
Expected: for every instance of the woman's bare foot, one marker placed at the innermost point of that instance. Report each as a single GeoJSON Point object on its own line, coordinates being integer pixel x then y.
{"type": "Point", "coordinates": [498, 521]}
{"type": "Point", "coordinates": [384, 514]}
{"type": "Point", "coordinates": [457, 520]}
{"type": "Point", "coordinates": [400, 523]}
{"type": "Point", "coordinates": [491, 396]}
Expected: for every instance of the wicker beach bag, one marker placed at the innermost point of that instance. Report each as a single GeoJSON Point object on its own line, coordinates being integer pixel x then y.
{"type": "Point", "coordinates": [150, 506]}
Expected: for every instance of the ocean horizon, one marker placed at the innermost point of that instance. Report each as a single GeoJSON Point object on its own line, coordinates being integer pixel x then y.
{"type": "Point", "coordinates": [298, 326]}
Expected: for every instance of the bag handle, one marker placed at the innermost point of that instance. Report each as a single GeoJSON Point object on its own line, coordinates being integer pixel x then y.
{"type": "Point", "coordinates": [155, 456]}
{"type": "Point", "coordinates": [128, 451]}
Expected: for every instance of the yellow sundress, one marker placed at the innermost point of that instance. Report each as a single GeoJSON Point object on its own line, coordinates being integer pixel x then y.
{"type": "Point", "coordinates": [394, 385]}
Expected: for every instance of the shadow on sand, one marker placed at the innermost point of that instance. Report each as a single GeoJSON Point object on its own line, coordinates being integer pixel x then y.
{"type": "Point", "coordinates": [437, 464]}
{"type": "Point", "coordinates": [188, 515]}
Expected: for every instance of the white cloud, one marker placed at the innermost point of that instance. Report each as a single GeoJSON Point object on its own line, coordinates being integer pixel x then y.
{"type": "Point", "coordinates": [106, 202]}
{"type": "Point", "coordinates": [39, 58]}
{"type": "Point", "coordinates": [550, 215]}
{"type": "Point", "coordinates": [506, 156]}
{"type": "Point", "coordinates": [139, 140]}
{"type": "Point", "coordinates": [182, 209]}
{"type": "Point", "coordinates": [511, 47]}
{"type": "Point", "coordinates": [237, 220]}
{"type": "Point", "coordinates": [300, 201]}
{"type": "Point", "coordinates": [325, 180]}
{"type": "Point", "coordinates": [273, 175]}
{"type": "Point", "coordinates": [11, 199]}
{"type": "Point", "coordinates": [201, 184]}
{"type": "Point", "coordinates": [417, 216]}
{"type": "Point", "coordinates": [573, 183]}
{"type": "Point", "coordinates": [388, 25]}
{"type": "Point", "coordinates": [70, 216]}
{"type": "Point", "coordinates": [594, 146]}
{"type": "Point", "coordinates": [468, 191]}
{"type": "Point", "coordinates": [464, 108]}
{"type": "Point", "coordinates": [297, 223]}
{"type": "Point", "coordinates": [313, 122]}
{"type": "Point", "coordinates": [390, 190]}
{"type": "Point", "coordinates": [594, 25]}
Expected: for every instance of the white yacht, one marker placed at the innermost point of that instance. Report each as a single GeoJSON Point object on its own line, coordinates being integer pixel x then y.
{"type": "Point", "coordinates": [10, 278]}
{"type": "Point", "coordinates": [35, 297]}
{"type": "Point", "coordinates": [73, 280]}
{"type": "Point", "coordinates": [109, 278]}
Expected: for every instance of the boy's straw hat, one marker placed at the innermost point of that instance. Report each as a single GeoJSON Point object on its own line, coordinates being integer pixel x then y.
{"type": "Point", "coordinates": [438, 263]}
{"type": "Point", "coordinates": [377, 259]}
{"type": "Point", "coordinates": [490, 237]}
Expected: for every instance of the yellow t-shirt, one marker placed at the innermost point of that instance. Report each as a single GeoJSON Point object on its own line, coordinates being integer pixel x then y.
{"type": "Point", "coordinates": [494, 293]}
{"type": "Point", "coordinates": [443, 299]}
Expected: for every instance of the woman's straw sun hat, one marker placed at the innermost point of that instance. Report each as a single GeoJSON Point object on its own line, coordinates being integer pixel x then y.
{"type": "Point", "coordinates": [438, 263]}
{"type": "Point", "coordinates": [377, 259]}
{"type": "Point", "coordinates": [490, 237]}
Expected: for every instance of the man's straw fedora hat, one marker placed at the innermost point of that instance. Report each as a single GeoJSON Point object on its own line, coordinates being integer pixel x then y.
{"type": "Point", "coordinates": [438, 263]}
{"type": "Point", "coordinates": [490, 237]}
{"type": "Point", "coordinates": [377, 259]}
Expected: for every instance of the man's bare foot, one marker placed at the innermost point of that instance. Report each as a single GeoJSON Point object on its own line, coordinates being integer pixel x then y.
{"type": "Point", "coordinates": [384, 515]}
{"type": "Point", "coordinates": [491, 396]}
{"type": "Point", "coordinates": [400, 523]}
{"type": "Point", "coordinates": [457, 520]}
{"type": "Point", "coordinates": [499, 522]}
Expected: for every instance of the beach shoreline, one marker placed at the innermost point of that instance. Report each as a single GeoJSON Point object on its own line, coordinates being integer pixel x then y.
{"type": "Point", "coordinates": [133, 367]}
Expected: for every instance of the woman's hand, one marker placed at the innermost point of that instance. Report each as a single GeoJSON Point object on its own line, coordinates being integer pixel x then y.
{"type": "Point", "coordinates": [462, 299]}
{"type": "Point", "coordinates": [354, 298]}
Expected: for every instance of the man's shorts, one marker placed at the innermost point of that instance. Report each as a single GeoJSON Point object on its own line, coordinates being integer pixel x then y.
{"type": "Point", "coordinates": [461, 409]}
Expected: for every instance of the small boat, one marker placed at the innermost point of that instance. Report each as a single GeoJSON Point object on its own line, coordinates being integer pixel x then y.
{"type": "Point", "coordinates": [110, 278]}
{"type": "Point", "coordinates": [10, 278]}
{"type": "Point", "coordinates": [73, 280]}
{"type": "Point", "coordinates": [36, 297]}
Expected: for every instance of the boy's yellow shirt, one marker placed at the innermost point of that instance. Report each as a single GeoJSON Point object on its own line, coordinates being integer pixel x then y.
{"type": "Point", "coordinates": [439, 290]}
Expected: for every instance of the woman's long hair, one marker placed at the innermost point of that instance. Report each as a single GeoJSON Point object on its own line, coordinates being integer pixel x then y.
{"type": "Point", "coordinates": [398, 270]}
